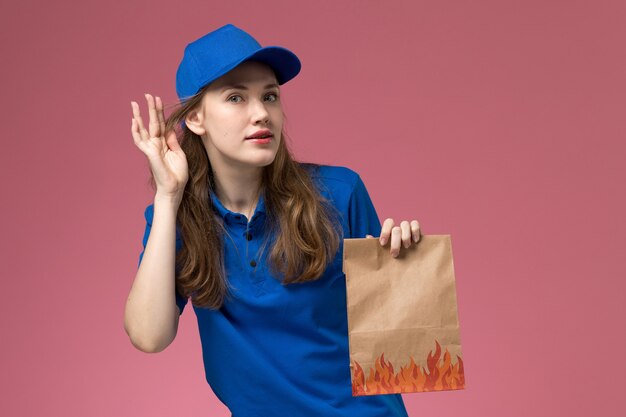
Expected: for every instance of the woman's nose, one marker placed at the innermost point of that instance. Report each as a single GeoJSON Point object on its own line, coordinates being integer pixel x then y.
{"type": "Point", "coordinates": [259, 112]}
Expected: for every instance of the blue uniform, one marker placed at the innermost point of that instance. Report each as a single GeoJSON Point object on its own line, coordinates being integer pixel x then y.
{"type": "Point", "coordinates": [275, 350]}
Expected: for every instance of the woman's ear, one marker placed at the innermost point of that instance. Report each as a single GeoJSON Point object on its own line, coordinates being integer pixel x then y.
{"type": "Point", "coordinates": [193, 120]}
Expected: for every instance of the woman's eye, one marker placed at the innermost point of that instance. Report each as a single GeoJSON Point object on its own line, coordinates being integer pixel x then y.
{"type": "Point", "coordinates": [272, 97]}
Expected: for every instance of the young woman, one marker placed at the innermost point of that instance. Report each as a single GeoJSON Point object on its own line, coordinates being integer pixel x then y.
{"type": "Point", "coordinates": [254, 237]}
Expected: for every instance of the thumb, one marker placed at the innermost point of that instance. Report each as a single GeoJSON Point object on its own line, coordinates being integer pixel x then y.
{"type": "Point", "coordinates": [172, 142]}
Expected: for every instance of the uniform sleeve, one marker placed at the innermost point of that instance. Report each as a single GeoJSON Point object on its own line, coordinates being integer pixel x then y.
{"type": "Point", "coordinates": [362, 216]}
{"type": "Point", "coordinates": [149, 214]}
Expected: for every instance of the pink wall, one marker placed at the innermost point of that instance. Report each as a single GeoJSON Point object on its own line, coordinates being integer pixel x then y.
{"type": "Point", "coordinates": [500, 123]}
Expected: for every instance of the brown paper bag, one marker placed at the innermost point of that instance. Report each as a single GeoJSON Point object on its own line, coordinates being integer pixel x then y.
{"type": "Point", "coordinates": [402, 317]}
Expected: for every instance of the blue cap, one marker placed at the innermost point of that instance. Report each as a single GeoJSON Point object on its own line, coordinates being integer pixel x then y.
{"type": "Point", "coordinates": [218, 52]}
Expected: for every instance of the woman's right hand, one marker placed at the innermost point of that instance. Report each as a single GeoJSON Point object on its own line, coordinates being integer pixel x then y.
{"type": "Point", "coordinates": [167, 160]}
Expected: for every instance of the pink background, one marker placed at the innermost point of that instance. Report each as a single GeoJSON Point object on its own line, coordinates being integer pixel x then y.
{"type": "Point", "coordinates": [501, 123]}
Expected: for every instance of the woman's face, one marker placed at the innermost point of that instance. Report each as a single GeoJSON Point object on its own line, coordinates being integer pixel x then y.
{"type": "Point", "coordinates": [234, 107]}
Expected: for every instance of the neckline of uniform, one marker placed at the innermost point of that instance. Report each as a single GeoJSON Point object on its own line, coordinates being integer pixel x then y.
{"type": "Point", "coordinates": [224, 212]}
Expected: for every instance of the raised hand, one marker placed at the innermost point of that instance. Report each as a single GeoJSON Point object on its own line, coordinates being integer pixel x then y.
{"type": "Point", "coordinates": [167, 160]}
{"type": "Point", "coordinates": [405, 234]}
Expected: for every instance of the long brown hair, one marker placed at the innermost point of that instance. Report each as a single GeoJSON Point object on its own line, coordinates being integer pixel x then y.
{"type": "Point", "coordinates": [305, 226]}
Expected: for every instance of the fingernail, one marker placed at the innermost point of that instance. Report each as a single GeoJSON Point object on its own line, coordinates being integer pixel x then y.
{"type": "Point", "coordinates": [383, 240]}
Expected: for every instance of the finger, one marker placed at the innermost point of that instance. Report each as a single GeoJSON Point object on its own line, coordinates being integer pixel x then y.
{"type": "Point", "coordinates": [396, 237]}
{"type": "Point", "coordinates": [142, 130]}
{"type": "Point", "coordinates": [153, 125]}
{"type": "Point", "coordinates": [134, 130]}
{"type": "Point", "coordinates": [172, 142]}
{"type": "Point", "coordinates": [416, 231]}
{"type": "Point", "coordinates": [369, 236]}
{"type": "Point", "coordinates": [406, 233]}
{"type": "Point", "coordinates": [385, 232]}
{"type": "Point", "coordinates": [140, 142]}
{"type": "Point", "coordinates": [159, 107]}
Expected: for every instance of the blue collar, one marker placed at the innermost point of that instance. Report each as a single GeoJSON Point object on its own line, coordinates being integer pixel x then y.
{"type": "Point", "coordinates": [230, 215]}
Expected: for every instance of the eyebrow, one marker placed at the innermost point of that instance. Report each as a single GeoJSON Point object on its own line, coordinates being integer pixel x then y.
{"type": "Point", "coordinates": [243, 87]}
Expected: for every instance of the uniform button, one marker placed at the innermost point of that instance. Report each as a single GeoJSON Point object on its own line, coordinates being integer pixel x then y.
{"type": "Point", "coordinates": [249, 236]}
{"type": "Point", "coordinates": [253, 263]}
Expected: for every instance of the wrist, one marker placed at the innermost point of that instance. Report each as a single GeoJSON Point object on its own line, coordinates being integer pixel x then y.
{"type": "Point", "coordinates": [167, 200]}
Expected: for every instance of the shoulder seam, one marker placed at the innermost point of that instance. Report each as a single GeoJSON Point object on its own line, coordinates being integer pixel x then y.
{"type": "Point", "coordinates": [339, 178]}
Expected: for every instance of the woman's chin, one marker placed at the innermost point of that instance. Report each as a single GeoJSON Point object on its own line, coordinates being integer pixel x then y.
{"type": "Point", "coordinates": [264, 159]}
{"type": "Point", "coordinates": [267, 161]}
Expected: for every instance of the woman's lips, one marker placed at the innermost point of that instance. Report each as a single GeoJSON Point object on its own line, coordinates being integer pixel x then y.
{"type": "Point", "coordinates": [260, 133]}
{"type": "Point", "coordinates": [260, 141]}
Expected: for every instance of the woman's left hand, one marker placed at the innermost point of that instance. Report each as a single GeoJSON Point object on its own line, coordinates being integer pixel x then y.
{"type": "Point", "coordinates": [405, 234]}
